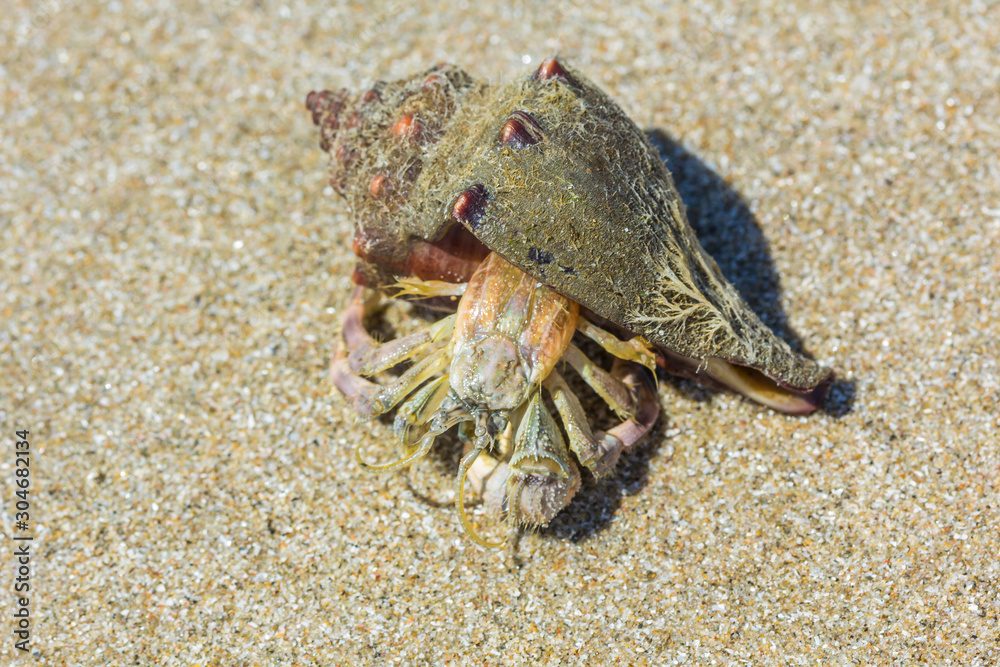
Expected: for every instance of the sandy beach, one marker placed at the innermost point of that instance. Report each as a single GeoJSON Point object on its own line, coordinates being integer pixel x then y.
{"type": "Point", "coordinates": [175, 266]}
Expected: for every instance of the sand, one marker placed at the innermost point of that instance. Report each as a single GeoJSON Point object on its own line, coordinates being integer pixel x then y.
{"type": "Point", "coordinates": [175, 266]}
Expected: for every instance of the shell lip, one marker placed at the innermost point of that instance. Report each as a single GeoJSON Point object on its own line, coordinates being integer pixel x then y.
{"type": "Point", "coordinates": [729, 375]}
{"type": "Point", "coordinates": [754, 383]}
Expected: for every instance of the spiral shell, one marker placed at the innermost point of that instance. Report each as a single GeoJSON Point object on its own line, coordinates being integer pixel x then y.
{"type": "Point", "coordinates": [548, 172]}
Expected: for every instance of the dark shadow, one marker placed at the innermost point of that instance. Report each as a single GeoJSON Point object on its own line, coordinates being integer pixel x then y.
{"type": "Point", "coordinates": [840, 398]}
{"type": "Point", "coordinates": [730, 233]}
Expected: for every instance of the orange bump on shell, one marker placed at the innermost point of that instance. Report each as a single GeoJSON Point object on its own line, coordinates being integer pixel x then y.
{"type": "Point", "coordinates": [549, 68]}
{"type": "Point", "coordinates": [379, 185]}
{"type": "Point", "coordinates": [406, 126]}
{"type": "Point", "coordinates": [470, 206]}
{"type": "Point", "coordinates": [358, 245]}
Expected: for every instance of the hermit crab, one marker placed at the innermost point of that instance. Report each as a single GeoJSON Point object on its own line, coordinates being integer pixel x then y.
{"type": "Point", "coordinates": [545, 212]}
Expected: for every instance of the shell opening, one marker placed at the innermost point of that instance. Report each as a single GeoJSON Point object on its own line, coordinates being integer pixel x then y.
{"type": "Point", "coordinates": [747, 381]}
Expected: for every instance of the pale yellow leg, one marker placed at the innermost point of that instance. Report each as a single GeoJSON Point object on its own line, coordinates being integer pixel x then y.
{"type": "Point", "coordinates": [360, 355]}
{"type": "Point", "coordinates": [371, 358]}
{"type": "Point", "coordinates": [408, 425]}
{"type": "Point", "coordinates": [636, 349]}
{"type": "Point", "coordinates": [383, 398]}
{"type": "Point", "coordinates": [426, 289]}
{"type": "Point", "coordinates": [611, 389]}
{"type": "Point", "coordinates": [599, 453]}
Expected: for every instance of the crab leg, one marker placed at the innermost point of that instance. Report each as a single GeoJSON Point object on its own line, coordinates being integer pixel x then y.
{"type": "Point", "coordinates": [418, 410]}
{"type": "Point", "coordinates": [614, 392]}
{"type": "Point", "coordinates": [353, 330]}
{"type": "Point", "coordinates": [372, 358]}
{"type": "Point", "coordinates": [361, 355]}
{"type": "Point", "coordinates": [647, 404]}
{"type": "Point", "coordinates": [427, 289]}
{"type": "Point", "coordinates": [387, 396]}
{"type": "Point", "coordinates": [414, 412]}
{"type": "Point", "coordinates": [598, 454]}
{"type": "Point", "coordinates": [367, 357]}
{"type": "Point", "coordinates": [635, 349]}
{"type": "Point", "coordinates": [370, 399]}
{"type": "Point", "coordinates": [427, 409]}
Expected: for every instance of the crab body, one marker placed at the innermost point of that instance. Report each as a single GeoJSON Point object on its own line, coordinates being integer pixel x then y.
{"type": "Point", "coordinates": [548, 201]}
{"type": "Point", "coordinates": [484, 368]}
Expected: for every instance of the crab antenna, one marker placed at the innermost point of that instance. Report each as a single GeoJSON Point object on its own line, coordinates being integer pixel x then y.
{"type": "Point", "coordinates": [463, 470]}
{"type": "Point", "coordinates": [440, 421]}
{"type": "Point", "coordinates": [425, 446]}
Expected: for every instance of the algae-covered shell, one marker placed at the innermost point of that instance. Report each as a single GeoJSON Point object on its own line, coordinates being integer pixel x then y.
{"type": "Point", "coordinates": [551, 174]}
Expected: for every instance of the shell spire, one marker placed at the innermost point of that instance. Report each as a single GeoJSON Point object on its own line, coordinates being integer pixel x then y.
{"type": "Point", "coordinates": [379, 142]}
{"type": "Point", "coordinates": [326, 106]}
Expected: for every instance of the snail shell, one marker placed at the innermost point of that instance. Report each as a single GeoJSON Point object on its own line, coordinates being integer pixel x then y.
{"type": "Point", "coordinates": [551, 174]}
